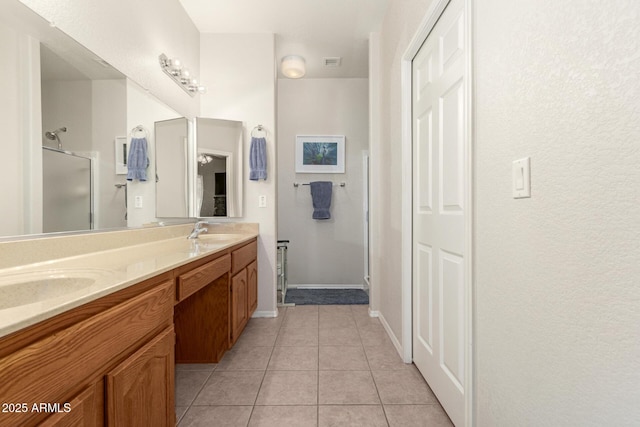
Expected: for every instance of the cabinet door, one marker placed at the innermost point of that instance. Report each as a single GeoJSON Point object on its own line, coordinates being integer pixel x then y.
{"type": "Point", "coordinates": [140, 391]}
{"type": "Point", "coordinates": [85, 410]}
{"type": "Point", "coordinates": [239, 313]}
{"type": "Point", "coordinates": [252, 285]}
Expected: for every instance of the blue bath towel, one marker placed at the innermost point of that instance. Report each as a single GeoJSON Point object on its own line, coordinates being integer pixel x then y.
{"type": "Point", "coordinates": [137, 162]}
{"type": "Point", "coordinates": [321, 196]}
{"type": "Point", "coordinates": [258, 159]}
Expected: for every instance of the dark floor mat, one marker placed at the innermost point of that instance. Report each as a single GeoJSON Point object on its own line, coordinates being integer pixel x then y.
{"type": "Point", "coordinates": [326, 296]}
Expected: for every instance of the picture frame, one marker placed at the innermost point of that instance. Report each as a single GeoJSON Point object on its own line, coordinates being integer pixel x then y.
{"type": "Point", "coordinates": [320, 153]}
{"type": "Point", "coordinates": [121, 153]}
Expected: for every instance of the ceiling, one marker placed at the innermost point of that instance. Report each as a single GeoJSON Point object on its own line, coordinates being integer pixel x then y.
{"type": "Point", "coordinates": [314, 29]}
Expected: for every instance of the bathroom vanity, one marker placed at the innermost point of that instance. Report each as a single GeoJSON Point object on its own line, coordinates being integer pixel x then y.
{"type": "Point", "coordinates": [110, 359]}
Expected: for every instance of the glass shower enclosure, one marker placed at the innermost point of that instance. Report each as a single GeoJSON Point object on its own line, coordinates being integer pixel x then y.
{"type": "Point", "coordinates": [66, 191]}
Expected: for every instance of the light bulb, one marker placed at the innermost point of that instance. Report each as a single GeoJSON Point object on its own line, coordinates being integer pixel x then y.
{"type": "Point", "coordinates": [176, 66]}
{"type": "Point", "coordinates": [185, 76]}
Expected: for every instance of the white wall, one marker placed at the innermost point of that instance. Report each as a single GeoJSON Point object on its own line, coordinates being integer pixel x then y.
{"type": "Point", "coordinates": [130, 36]}
{"type": "Point", "coordinates": [240, 71]}
{"type": "Point", "coordinates": [556, 311]}
{"type": "Point", "coordinates": [557, 295]}
{"type": "Point", "coordinates": [327, 251]}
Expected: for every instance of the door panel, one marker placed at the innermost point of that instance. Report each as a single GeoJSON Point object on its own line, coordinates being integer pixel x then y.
{"type": "Point", "coordinates": [141, 388]}
{"type": "Point", "coordinates": [239, 301]}
{"type": "Point", "coordinates": [439, 121]}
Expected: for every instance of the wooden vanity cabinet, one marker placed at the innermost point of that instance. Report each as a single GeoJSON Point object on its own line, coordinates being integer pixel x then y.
{"type": "Point", "coordinates": [243, 289]}
{"type": "Point", "coordinates": [202, 310]}
{"type": "Point", "coordinates": [107, 360]}
{"type": "Point", "coordinates": [215, 297]}
{"type": "Point", "coordinates": [111, 362]}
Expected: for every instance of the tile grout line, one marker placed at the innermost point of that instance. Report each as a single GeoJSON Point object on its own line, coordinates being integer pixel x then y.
{"type": "Point", "coordinates": [253, 407]}
{"type": "Point", "coordinates": [197, 394]}
{"type": "Point", "coordinates": [372, 378]}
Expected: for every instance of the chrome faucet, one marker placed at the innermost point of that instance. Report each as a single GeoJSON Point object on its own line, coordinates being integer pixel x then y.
{"type": "Point", "coordinates": [198, 229]}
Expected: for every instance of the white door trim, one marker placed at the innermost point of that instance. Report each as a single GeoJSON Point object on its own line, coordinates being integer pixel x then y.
{"type": "Point", "coordinates": [431, 17]}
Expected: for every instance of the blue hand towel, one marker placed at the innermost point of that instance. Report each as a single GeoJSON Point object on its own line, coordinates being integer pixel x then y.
{"type": "Point", "coordinates": [321, 196]}
{"type": "Point", "coordinates": [137, 162]}
{"type": "Point", "coordinates": [258, 159]}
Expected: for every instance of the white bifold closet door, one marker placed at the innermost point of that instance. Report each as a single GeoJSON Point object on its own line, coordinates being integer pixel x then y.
{"type": "Point", "coordinates": [438, 100]}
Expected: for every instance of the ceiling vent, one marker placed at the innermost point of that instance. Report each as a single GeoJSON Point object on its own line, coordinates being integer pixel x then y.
{"type": "Point", "coordinates": [333, 61]}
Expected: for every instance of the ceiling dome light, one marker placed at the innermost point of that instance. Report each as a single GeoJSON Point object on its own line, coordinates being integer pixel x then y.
{"type": "Point", "coordinates": [293, 66]}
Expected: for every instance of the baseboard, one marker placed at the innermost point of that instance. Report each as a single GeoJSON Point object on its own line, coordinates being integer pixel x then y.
{"type": "Point", "coordinates": [373, 313]}
{"type": "Point", "coordinates": [265, 314]}
{"type": "Point", "coordinates": [392, 336]}
{"type": "Point", "coordinates": [325, 286]}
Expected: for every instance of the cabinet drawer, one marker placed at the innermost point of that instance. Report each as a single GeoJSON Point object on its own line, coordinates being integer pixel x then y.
{"type": "Point", "coordinates": [240, 258]}
{"type": "Point", "coordinates": [191, 282]}
{"type": "Point", "coordinates": [41, 372]}
{"type": "Point", "coordinates": [85, 410]}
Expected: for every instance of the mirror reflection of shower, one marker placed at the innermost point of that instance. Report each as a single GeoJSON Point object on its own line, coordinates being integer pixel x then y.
{"type": "Point", "coordinates": [53, 136]}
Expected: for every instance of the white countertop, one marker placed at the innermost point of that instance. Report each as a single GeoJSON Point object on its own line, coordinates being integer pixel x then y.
{"type": "Point", "coordinates": [83, 278]}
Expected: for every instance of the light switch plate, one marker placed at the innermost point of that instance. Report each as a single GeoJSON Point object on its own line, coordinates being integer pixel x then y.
{"type": "Point", "coordinates": [521, 178]}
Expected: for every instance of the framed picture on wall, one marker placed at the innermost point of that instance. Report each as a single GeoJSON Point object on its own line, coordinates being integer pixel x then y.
{"type": "Point", "coordinates": [320, 153]}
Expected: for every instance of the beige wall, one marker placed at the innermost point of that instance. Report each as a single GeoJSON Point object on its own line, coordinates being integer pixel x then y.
{"type": "Point", "coordinates": [556, 284]}
{"type": "Point", "coordinates": [241, 74]}
{"type": "Point", "coordinates": [328, 251]}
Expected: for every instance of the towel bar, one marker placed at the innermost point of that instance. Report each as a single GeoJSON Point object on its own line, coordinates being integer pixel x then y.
{"type": "Point", "coordinates": [297, 184]}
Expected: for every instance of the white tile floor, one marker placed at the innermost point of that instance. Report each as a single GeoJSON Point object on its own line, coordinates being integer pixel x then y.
{"type": "Point", "coordinates": [312, 366]}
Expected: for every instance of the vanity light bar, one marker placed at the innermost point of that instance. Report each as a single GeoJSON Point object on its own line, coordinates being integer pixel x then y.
{"type": "Point", "coordinates": [174, 69]}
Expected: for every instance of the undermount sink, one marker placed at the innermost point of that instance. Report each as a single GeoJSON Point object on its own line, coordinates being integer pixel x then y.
{"type": "Point", "coordinates": [27, 288]}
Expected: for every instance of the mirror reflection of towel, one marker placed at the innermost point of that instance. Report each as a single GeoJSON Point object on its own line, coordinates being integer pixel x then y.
{"type": "Point", "coordinates": [321, 196]}
{"type": "Point", "coordinates": [137, 161]}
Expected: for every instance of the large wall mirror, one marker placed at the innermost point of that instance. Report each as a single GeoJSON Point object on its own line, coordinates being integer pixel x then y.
{"type": "Point", "coordinates": [67, 116]}
{"type": "Point", "coordinates": [203, 177]}
{"type": "Point", "coordinates": [62, 108]}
